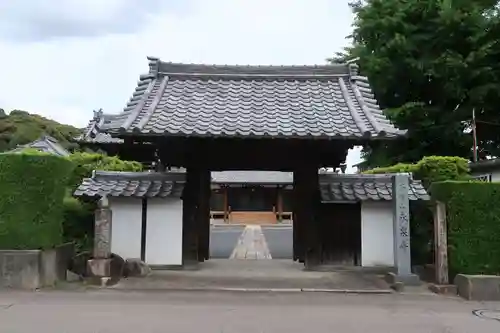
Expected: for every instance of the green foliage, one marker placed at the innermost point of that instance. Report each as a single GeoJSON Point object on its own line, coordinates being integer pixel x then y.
{"type": "Point", "coordinates": [473, 220]}
{"type": "Point", "coordinates": [431, 169]}
{"type": "Point", "coordinates": [430, 63]}
{"type": "Point", "coordinates": [78, 223]}
{"type": "Point", "coordinates": [85, 163]}
{"type": "Point", "coordinates": [32, 188]}
{"type": "Point", "coordinates": [79, 215]}
{"type": "Point", "coordinates": [20, 127]}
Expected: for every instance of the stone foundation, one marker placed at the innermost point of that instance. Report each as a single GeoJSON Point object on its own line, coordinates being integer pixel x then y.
{"type": "Point", "coordinates": [34, 269]}
{"type": "Point", "coordinates": [478, 287]}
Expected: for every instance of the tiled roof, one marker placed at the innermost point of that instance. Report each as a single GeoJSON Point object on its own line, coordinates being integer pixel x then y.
{"type": "Point", "coordinates": [45, 144]}
{"type": "Point", "coordinates": [255, 177]}
{"type": "Point", "coordinates": [253, 101]}
{"type": "Point", "coordinates": [364, 187]}
{"type": "Point", "coordinates": [93, 134]}
{"type": "Point", "coordinates": [132, 184]}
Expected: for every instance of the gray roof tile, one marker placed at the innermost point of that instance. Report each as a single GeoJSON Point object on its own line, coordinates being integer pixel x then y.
{"type": "Point", "coordinates": [337, 187]}
{"type": "Point", "coordinates": [132, 184]}
{"type": "Point", "coordinates": [260, 101]}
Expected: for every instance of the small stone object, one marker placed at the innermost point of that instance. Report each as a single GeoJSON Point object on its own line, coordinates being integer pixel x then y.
{"type": "Point", "coordinates": [136, 267]}
{"type": "Point", "coordinates": [398, 286]}
{"type": "Point", "coordinates": [117, 266]}
{"type": "Point", "coordinates": [72, 277]}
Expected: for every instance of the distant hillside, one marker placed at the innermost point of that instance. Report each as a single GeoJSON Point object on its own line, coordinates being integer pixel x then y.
{"type": "Point", "coordinates": [21, 127]}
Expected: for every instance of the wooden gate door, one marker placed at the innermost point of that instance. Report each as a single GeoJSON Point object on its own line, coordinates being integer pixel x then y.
{"type": "Point", "coordinates": [340, 225]}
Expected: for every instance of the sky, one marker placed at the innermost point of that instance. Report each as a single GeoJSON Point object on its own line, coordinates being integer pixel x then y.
{"type": "Point", "coordinates": [64, 58]}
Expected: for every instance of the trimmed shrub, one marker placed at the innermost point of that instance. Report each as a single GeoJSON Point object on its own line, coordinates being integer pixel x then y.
{"type": "Point", "coordinates": [32, 188]}
{"type": "Point", "coordinates": [431, 169]}
{"type": "Point", "coordinates": [85, 163]}
{"type": "Point", "coordinates": [78, 214]}
{"type": "Point", "coordinates": [78, 223]}
{"type": "Point", "coordinates": [473, 220]}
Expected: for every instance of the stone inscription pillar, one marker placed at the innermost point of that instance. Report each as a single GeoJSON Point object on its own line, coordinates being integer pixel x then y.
{"type": "Point", "coordinates": [99, 267]}
{"type": "Point", "coordinates": [102, 232]}
{"type": "Point", "coordinates": [401, 229]}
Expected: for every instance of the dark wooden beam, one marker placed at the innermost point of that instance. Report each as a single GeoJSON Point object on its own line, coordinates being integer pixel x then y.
{"type": "Point", "coordinates": [307, 201]}
{"type": "Point", "coordinates": [144, 228]}
{"type": "Point", "coordinates": [189, 220]}
{"type": "Point", "coordinates": [252, 154]}
{"type": "Point", "coordinates": [203, 216]}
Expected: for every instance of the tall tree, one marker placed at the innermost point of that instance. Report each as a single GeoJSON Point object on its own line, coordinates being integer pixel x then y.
{"type": "Point", "coordinates": [430, 62]}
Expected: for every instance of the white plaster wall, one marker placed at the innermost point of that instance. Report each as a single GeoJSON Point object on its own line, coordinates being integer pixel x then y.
{"type": "Point", "coordinates": [126, 227]}
{"type": "Point", "coordinates": [164, 231]}
{"type": "Point", "coordinates": [377, 238]}
{"type": "Point", "coordinates": [495, 176]}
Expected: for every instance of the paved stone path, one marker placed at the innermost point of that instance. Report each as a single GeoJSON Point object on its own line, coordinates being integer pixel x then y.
{"type": "Point", "coordinates": [251, 245]}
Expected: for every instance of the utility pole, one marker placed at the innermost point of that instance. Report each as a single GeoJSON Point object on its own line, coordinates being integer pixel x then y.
{"type": "Point", "coordinates": [474, 135]}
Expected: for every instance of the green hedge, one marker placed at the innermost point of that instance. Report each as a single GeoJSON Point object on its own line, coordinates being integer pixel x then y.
{"type": "Point", "coordinates": [32, 188]}
{"type": "Point", "coordinates": [432, 169]}
{"type": "Point", "coordinates": [473, 220]}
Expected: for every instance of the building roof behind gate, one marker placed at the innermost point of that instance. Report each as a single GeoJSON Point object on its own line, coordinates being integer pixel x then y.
{"type": "Point", "coordinates": [45, 144]}
{"type": "Point", "coordinates": [252, 177]}
{"type": "Point", "coordinates": [93, 133]}
{"type": "Point", "coordinates": [132, 184]}
{"type": "Point", "coordinates": [345, 188]}
{"type": "Point", "coordinates": [252, 101]}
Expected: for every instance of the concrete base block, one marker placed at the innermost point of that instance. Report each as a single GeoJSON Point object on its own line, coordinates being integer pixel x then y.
{"type": "Point", "coordinates": [442, 289]}
{"type": "Point", "coordinates": [99, 267]}
{"type": "Point", "coordinates": [478, 287]}
{"type": "Point", "coordinates": [408, 280]}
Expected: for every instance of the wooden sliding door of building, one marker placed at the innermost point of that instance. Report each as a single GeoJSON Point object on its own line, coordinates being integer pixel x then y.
{"type": "Point", "coordinates": [252, 205]}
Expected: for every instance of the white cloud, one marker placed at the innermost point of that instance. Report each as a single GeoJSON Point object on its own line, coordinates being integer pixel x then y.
{"type": "Point", "coordinates": [96, 63]}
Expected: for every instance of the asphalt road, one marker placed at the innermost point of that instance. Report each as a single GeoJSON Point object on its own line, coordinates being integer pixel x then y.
{"type": "Point", "coordinates": [224, 239]}
{"type": "Point", "coordinates": [132, 312]}
{"type": "Point", "coordinates": [280, 241]}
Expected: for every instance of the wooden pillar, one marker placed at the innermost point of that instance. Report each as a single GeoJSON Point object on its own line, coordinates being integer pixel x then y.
{"type": "Point", "coordinates": [203, 215]}
{"type": "Point", "coordinates": [189, 217]}
{"type": "Point", "coordinates": [441, 243]}
{"type": "Point", "coordinates": [307, 200]}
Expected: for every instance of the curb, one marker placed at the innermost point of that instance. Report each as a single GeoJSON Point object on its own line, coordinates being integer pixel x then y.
{"type": "Point", "coordinates": [256, 290]}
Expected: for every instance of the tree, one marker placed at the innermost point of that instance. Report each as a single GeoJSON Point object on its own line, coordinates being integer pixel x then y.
{"type": "Point", "coordinates": [21, 127]}
{"type": "Point", "coordinates": [430, 63]}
